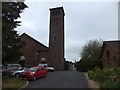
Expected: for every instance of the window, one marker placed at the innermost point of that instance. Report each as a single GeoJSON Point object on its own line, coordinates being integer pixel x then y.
{"type": "Point", "coordinates": [33, 69]}
{"type": "Point", "coordinates": [108, 63]}
{"type": "Point", "coordinates": [55, 24]}
{"type": "Point", "coordinates": [53, 12]}
{"type": "Point", "coordinates": [41, 68]}
{"type": "Point", "coordinates": [108, 55]}
{"type": "Point", "coordinates": [56, 12]}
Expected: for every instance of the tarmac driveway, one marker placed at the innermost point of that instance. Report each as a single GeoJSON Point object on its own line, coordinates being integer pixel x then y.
{"type": "Point", "coordinates": [60, 79]}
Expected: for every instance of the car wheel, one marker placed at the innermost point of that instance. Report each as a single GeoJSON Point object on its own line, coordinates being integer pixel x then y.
{"type": "Point", "coordinates": [17, 75]}
{"type": "Point", "coordinates": [34, 78]}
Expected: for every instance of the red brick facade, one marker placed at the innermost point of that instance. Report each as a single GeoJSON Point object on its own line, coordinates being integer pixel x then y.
{"type": "Point", "coordinates": [56, 37]}
{"type": "Point", "coordinates": [110, 54]}
{"type": "Point", "coordinates": [34, 51]}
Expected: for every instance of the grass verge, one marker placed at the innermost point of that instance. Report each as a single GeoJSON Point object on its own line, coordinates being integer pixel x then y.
{"type": "Point", "coordinates": [12, 83]}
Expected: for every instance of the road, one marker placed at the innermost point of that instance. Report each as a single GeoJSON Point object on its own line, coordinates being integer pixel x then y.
{"type": "Point", "coordinates": [60, 79]}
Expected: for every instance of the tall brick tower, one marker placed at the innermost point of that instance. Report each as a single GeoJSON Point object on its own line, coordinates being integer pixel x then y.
{"type": "Point", "coordinates": [56, 38]}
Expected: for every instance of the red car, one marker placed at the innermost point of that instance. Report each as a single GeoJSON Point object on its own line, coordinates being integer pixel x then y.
{"type": "Point", "coordinates": [35, 72]}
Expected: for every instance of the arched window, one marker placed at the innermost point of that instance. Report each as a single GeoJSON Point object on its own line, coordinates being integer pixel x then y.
{"type": "Point", "coordinates": [108, 55]}
{"type": "Point", "coordinates": [58, 12]}
{"type": "Point", "coordinates": [108, 62]}
{"type": "Point", "coordinates": [53, 12]}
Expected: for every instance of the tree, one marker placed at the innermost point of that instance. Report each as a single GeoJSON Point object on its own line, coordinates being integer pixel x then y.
{"type": "Point", "coordinates": [92, 49]}
{"type": "Point", "coordinates": [90, 56]}
{"type": "Point", "coordinates": [11, 43]}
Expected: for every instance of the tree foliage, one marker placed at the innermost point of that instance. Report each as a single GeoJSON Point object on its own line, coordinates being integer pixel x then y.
{"type": "Point", "coordinates": [10, 39]}
{"type": "Point", "coordinates": [90, 56]}
{"type": "Point", "coordinates": [91, 50]}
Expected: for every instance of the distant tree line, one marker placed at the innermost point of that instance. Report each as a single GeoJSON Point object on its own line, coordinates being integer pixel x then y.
{"type": "Point", "coordinates": [66, 65]}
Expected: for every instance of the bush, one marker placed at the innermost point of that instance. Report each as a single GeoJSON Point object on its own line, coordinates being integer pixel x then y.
{"type": "Point", "coordinates": [108, 78]}
{"type": "Point", "coordinates": [97, 75]}
{"type": "Point", "coordinates": [115, 74]}
{"type": "Point", "coordinates": [91, 74]}
{"type": "Point", "coordinates": [109, 84]}
{"type": "Point", "coordinates": [85, 66]}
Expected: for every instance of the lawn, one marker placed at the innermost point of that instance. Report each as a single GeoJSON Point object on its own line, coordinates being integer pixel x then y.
{"type": "Point", "coordinates": [12, 83]}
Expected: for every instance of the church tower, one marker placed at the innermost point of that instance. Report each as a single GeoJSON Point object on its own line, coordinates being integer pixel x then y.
{"type": "Point", "coordinates": [56, 38]}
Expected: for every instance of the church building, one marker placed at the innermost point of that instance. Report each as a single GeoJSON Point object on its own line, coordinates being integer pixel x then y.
{"type": "Point", "coordinates": [34, 52]}
{"type": "Point", "coordinates": [110, 54]}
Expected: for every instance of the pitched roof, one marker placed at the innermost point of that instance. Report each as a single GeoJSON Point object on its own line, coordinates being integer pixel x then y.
{"type": "Point", "coordinates": [115, 45]}
{"type": "Point", "coordinates": [24, 34]}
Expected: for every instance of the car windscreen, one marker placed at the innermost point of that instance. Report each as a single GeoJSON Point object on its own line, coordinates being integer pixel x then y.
{"type": "Point", "coordinates": [32, 69]}
{"type": "Point", "coordinates": [40, 64]}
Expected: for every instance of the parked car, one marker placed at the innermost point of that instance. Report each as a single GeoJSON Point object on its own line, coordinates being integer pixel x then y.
{"type": "Point", "coordinates": [35, 72]}
{"type": "Point", "coordinates": [9, 68]}
{"type": "Point", "coordinates": [13, 66]}
{"type": "Point", "coordinates": [1, 68]}
{"type": "Point", "coordinates": [48, 67]}
{"type": "Point", "coordinates": [43, 65]}
{"type": "Point", "coordinates": [18, 73]}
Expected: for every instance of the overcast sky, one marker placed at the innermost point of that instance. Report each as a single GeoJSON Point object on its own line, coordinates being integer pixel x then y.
{"type": "Point", "coordinates": [83, 21]}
